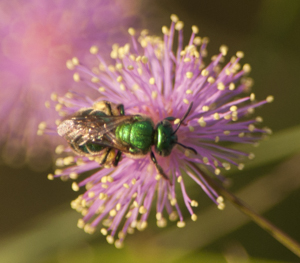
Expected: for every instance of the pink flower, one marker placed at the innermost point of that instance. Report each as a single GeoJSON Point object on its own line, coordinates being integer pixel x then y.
{"type": "Point", "coordinates": [152, 80]}
{"type": "Point", "coordinates": [37, 37]}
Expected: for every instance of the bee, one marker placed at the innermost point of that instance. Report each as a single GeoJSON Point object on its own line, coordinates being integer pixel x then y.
{"type": "Point", "coordinates": [104, 130]}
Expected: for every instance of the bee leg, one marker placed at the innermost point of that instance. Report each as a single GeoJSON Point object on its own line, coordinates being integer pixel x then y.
{"type": "Point", "coordinates": [105, 157]}
{"type": "Point", "coordinates": [158, 167]}
{"type": "Point", "coordinates": [121, 109]}
{"type": "Point", "coordinates": [117, 158]}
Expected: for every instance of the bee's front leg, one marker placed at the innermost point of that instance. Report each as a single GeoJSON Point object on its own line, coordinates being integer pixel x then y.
{"type": "Point", "coordinates": [158, 167]}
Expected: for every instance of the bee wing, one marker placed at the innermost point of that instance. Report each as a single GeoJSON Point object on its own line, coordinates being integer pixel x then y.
{"type": "Point", "coordinates": [81, 129]}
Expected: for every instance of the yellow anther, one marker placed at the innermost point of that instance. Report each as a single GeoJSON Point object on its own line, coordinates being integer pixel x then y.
{"type": "Point", "coordinates": [174, 18]}
{"type": "Point", "coordinates": [152, 81]}
{"type": "Point", "coordinates": [251, 156]}
{"type": "Point", "coordinates": [226, 132]}
{"type": "Point", "coordinates": [221, 86]}
{"type": "Point", "coordinates": [241, 166]}
{"type": "Point", "coordinates": [189, 74]}
{"type": "Point", "coordinates": [204, 72]}
{"type": "Point", "coordinates": [231, 86]}
{"type": "Point", "coordinates": [210, 80]}
{"type": "Point", "coordinates": [223, 49]}
{"type": "Point", "coordinates": [110, 239]}
{"type": "Point", "coordinates": [247, 68]}
{"type": "Point", "coordinates": [76, 77]}
{"type": "Point", "coordinates": [142, 210]}
{"type": "Point", "coordinates": [75, 187]}
{"type": "Point", "coordinates": [112, 212]}
{"type": "Point", "coordinates": [194, 203]}
{"type": "Point", "coordinates": [189, 91]}
{"type": "Point", "coordinates": [75, 61]}
{"type": "Point", "coordinates": [131, 31]}
{"type": "Point", "coordinates": [50, 177]}
{"type": "Point", "coordinates": [217, 139]}
{"type": "Point", "coordinates": [195, 29]}
{"type": "Point", "coordinates": [269, 99]}
{"type": "Point", "coordinates": [197, 41]}
{"type": "Point", "coordinates": [217, 171]}
{"type": "Point", "coordinates": [216, 116]}
{"type": "Point", "coordinates": [130, 67]}
{"type": "Point", "coordinates": [191, 128]}
{"type": "Point", "coordinates": [201, 122]}
{"type": "Point", "coordinates": [233, 108]}
{"type": "Point", "coordinates": [251, 127]}
{"type": "Point", "coordinates": [94, 50]}
{"type": "Point", "coordinates": [101, 89]}
{"type": "Point", "coordinates": [179, 179]}
{"type": "Point", "coordinates": [205, 160]}
{"type": "Point", "coordinates": [103, 231]}
{"type": "Point", "coordinates": [180, 224]}
{"type": "Point", "coordinates": [80, 223]}
{"type": "Point", "coordinates": [70, 64]}
{"type": "Point", "coordinates": [186, 101]}
{"type": "Point", "coordinates": [240, 54]}
{"type": "Point", "coordinates": [179, 25]}
{"type": "Point", "coordinates": [194, 217]}
{"type": "Point", "coordinates": [154, 94]}
{"type": "Point", "coordinates": [165, 30]}
{"type": "Point", "coordinates": [176, 121]}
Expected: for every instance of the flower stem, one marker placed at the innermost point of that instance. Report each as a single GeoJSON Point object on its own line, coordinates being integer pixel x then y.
{"type": "Point", "coordinates": [278, 234]}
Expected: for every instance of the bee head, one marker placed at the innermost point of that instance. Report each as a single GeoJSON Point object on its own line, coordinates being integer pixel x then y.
{"type": "Point", "coordinates": [165, 138]}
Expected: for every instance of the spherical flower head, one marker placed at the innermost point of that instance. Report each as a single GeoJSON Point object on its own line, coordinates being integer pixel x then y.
{"type": "Point", "coordinates": [37, 37]}
{"type": "Point", "coordinates": [209, 102]}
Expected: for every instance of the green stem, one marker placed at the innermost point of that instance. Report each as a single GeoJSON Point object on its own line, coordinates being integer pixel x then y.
{"type": "Point", "coordinates": [279, 235]}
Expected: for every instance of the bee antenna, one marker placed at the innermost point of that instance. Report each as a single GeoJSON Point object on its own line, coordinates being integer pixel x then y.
{"type": "Point", "coordinates": [186, 147]}
{"type": "Point", "coordinates": [183, 118]}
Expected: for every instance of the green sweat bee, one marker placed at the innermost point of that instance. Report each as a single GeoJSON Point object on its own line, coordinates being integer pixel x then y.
{"type": "Point", "coordinates": [104, 130]}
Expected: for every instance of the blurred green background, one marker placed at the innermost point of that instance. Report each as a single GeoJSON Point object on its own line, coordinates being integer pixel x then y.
{"type": "Point", "coordinates": [38, 225]}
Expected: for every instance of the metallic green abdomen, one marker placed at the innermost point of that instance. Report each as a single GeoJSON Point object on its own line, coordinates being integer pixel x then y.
{"type": "Point", "coordinates": [138, 135]}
